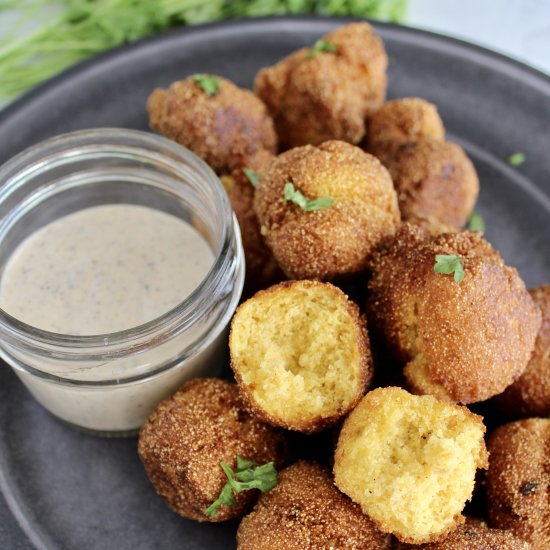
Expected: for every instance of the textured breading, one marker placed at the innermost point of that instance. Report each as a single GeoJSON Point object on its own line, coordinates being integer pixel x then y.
{"type": "Point", "coordinates": [410, 462]}
{"type": "Point", "coordinates": [307, 512]}
{"type": "Point", "coordinates": [436, 183]}
{"type": "Point", "coordinates": [518, 480]}
{"type": "Point", "coordinates": [463, 342]}
{"type": "Point", "coordinates": [223, 129]}
{"type": "Point", "coordinates": [262, 269]}
{"type": "Point", "coordinates": [401, 121]}
{"type": "Point", "coordinates": [327, 96]}
{"type": "Point", "coordinates": [186, 437]}
{"type": "Point", "coordinates": [300, 354]}
{"type": "Point", "coordinates": [529, 395]}
{"type": "Point", "coordinates": [474, 534]}
{"type": "Point", "coordinates": [337, 240]}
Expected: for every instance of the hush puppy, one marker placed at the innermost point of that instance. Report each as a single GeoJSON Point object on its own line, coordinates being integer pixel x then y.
{"type": "Point", "coordinates": [436, 183]}
{"type": "Point", "coordinates": [306, 511]}
{"type": "Point", "coordinates": [184, 440]}
{"type": "Point", "coordinates": [300, 354]}
{"type": "Point", "coordinates": [222, 124]}
{"type": "Point", "coordinates": [410, 462]}
{"type": "Point", "coordinates": [338, 239]}
{"type": "Point", "coordinates": [262, 269]}
{"type": "Point", "coordinates": [518, 480]}
{"type": "Point", "coordinates": [462, 342]}
{"type": "Point", "coordinates": [326, 92]}
{"type": "Point", "coordinates": [474, 534]}
{"type": "Point", "coordinates": [402, 121]}
{"type": "Point", "coordinates": [529, 395]}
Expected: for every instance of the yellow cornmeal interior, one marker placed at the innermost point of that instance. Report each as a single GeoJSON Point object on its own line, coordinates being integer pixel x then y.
{"type": "Point", "coordinates": [409, 461]}
{"type": "Point", "coordinates": [297, 351]}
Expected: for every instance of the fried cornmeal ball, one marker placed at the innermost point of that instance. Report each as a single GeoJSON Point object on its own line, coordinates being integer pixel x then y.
{"type": "Point", "coordinates": [262, 269]}
{"type": "Point", "coordinates": [326, 92]}
{"type": "Point", "coordinates": [474, 534]}
{"type": "Point", "coordinates": [529, 395]}
{"type": "Point", "coordinates": [222, 127]}
{"type": "Point", "coordinates": [436, 183]}
{"type": "Point", "coordinates": [300, 354]}
{"type": "Point", "coordinates": [305, 511]}
{"type": "Point", "coordinates": [186, 437]}
{"type": "Point", "coordinates": [518, 480]}
{"type": "Point", "coordinates": [410, 462]}
{"type": "Point", "coordinates": [401, 121]}
{"type": "Point", "coordinates": [336, 240]}
{"type": "Point", "coordinates": [463, 342]}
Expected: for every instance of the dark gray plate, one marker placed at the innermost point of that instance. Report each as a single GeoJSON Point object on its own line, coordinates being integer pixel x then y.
{"type": "Point", "coordinates": [71, 491]}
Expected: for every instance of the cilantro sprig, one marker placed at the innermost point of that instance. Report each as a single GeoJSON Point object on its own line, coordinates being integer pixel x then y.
{"type": "Point", "coordinates": [448, 264]}
{"type": "Point", "coordinates": [476, 223]}
{"type": "Point", "coordinates": [321, 46]}
{"type": "Point", "coordinates": [295, 196]}
{"type": "Point", "coordinates": [249, 475]}
{"type": "Point", "coordinates": [210, 84]}
{"type": "Point", "coordinates": [251, 176]}
{"type": "Point", "coordinates": [516, 159]}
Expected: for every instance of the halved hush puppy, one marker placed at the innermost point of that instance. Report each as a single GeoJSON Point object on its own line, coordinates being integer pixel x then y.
{"type": "Point", "coordinates": [300, 354]}
{"type": "Point", "coordinates": [223, 125]}
{"type": "Point", "coordinates": [436, 183]}
{"type": "Point", "coordinates": [410, 462]}
{"type": "Point", "coordinates": [184, 440]}
{"type": "Point", "coordinates": [529, 395]}
{"type": "Point", "coordinates": [306, 511]}
{"type": "Point", "coordinates": [337, 239]}
{"type": "Point", "coordinates": [401, 121]}
{"type": "Point", "coordinates": [460, 341]}
{"type": "Point", "coordinates": [474, 534]}
{"type": "Point", "coordinates": [518, 480]}
{"type": "Point", "coordinates": [327, 91]}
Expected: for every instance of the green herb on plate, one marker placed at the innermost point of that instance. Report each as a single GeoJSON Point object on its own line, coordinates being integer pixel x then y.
{"type": "Point", "coordinates": [249, 475]}
{"type": "Point", "coordinates": [209, 84]}
{"type": "Point", "coordinates": [516, 159]}
{"type": "Point", "coordinates": [294, 196]}
{"type": "Point", "coordinates": [321, 46]}
{"type": "Point", "coordinates": [251, 176]}
{"type": "Point", "coordinates": [448, 264]}
{"type": "Point", "coordinates": [476, 223]}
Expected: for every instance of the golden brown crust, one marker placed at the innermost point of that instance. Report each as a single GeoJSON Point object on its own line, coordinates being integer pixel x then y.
{"type": "Point", "coordinates": [518, 480]}
{"type": "Point", "coordinates": [436, 183]}
{"type": "Point", "coordinates": [529, 395]}
{"type": "Point", "coordinates": [262, 269]}
{"type": "Point", "coordinates": [184, 440]}
{"type": "Point", "coordinates": [307, 422]}
{"type": "Point", "coordinates": [474, 534]}
{"type": "Point", "coordinates": [462, 342]}
{"type": "Point", "coordinates": [314, 99]}
{"type": "Point", "coordinates": [223, 129]}
{"type": "Point", "coordinates": [337, 240]}
{"type": "Point", "coordinates": [306, 511]}
{"type": "Point", "coordinates": [401, 121]}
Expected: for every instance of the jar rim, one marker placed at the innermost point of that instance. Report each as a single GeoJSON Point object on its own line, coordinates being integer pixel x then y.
{"type": "Point", "coordinates": [186, 311]}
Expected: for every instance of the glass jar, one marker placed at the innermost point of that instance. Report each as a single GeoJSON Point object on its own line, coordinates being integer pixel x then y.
{"type": "Point", "coordinates": [109, 383]}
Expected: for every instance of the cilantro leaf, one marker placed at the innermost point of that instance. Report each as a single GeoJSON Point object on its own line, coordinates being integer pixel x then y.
{"type": "Point", "coordinates": [291, 194]}
{"type": "Point", "coordinates": [251, 176]}
{"type": "Point", "coordinates": [249, 475]}
{"type": "Point", "coordinates": [321, 46]}
{"type": "Point", "coordinates": [448, 264]}
{"type": "Point", "coordinates": [209, 84]}
{"type": "Point", "coordinates": [516, 159]}
{"type": "Point", "coordinates": [475, 223]}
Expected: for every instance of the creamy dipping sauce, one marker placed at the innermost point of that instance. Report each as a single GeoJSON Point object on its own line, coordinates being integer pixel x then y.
{"type": "Point", "coordinates": [104, 269]}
